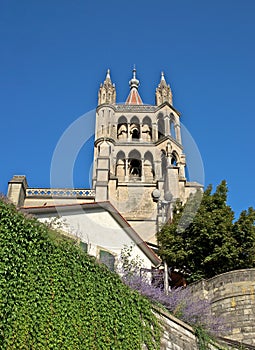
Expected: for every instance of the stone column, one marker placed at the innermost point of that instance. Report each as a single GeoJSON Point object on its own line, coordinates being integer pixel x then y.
{"type": "Point", "coordinates": [142, 169]}
{"type": "Point", "coordinates": [154, 132]}
{"type": "Point", "coordinates": [178, 133]}
{"type": "Point", "coordinates": [126, 170]}
{"type": "Point", "coordinates": [128, 132]}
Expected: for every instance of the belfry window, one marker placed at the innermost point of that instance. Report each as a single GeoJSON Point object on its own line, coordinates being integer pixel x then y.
{"type": "Point", "coordinates": [146, 129]}
{"type": "Point", "coordinates": [134, 165]}
{"type": "Point", "coordinates": [174, 160]}
{"type": "Point", "coordinates": [135, 168]}
{"type": "Point", "coordinates": [135, 128]}
{"type": "Point", "coordinates": [122, 128]}
{"type": "Point", "coordinates": [120, 165]}
{"type": "Point", "coordinates": [135, 132]}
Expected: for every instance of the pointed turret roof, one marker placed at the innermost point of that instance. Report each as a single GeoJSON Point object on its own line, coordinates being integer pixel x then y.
{"type": "Point", "coordinates": [162, 80]}
{"type": "Point", "coordinates": [163, 92]}
{"type": "Point", "coordinates": [108, 80]}
{"type": "Point", "coordinates": [107, 91]}
{"type": "Point", "coordinates": [134, 97]}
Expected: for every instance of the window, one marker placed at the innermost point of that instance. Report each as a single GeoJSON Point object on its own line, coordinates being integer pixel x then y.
{"type": "Point", "coordinates": [84, 246]}
{"type": "Point", "coordinates": [107, 259]}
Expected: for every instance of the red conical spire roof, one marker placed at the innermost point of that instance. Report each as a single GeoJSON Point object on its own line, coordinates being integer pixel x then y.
{"type": "Point", "coordinates": [134, 97]}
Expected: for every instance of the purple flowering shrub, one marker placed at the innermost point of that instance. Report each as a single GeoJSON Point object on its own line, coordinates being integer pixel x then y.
{"type": "Point", "coordinates": [180, 302]}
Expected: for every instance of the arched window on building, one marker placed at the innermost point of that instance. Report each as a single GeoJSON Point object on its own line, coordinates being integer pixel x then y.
{"type": "Point", "coordinates": [161, 126]}
{"type": "Point", "coordinates": [120, 165]}
{"type": "Point", "coordinates": [174, 159]}
{"type": "Point", "coordinates": [135, 128]}
{"type": "Point", "coordinates": [134, 165]}
{"type": "Point", "coordinates": [146, 129]}
{"type": "Point", "coordinates": [122, 128]}
{"type": "Point", "coordinates": [149, 172]}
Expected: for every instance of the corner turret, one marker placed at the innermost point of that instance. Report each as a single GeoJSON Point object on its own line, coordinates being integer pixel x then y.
{"type": "Point", "coordinates": [107, 91]}
{"type": "Point", "coordinates": [163, 92]}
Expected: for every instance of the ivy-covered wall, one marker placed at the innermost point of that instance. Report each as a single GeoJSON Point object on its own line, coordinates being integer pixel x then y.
{"type": "Point", "coordinates": [54, 296]}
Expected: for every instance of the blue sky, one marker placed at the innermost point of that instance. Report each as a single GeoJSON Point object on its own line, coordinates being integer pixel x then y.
{"type": "Point", "coordinates": [54, 55]}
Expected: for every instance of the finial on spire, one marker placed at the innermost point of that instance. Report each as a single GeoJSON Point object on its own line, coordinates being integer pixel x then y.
{"type": "Point", "coordinates": [134, 97]}
{"type": "Point", "coordinates": [134, 82]}
{"type": "Point", "coordinates": [162, 76]}
{"type": "Point", "coordinates": [134, 72]}
{"type": "Point", "coordinates": [108, 75]}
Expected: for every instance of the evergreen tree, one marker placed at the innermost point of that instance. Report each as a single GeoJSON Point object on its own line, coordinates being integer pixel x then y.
{"type": "Point", "coordinates": [203, 237]}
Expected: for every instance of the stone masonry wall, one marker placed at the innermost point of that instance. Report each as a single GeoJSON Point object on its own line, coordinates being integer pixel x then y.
{"type": "Point", "coordinates": [177, 335]}
{"type": "Point", "coordinates": [233, 297]}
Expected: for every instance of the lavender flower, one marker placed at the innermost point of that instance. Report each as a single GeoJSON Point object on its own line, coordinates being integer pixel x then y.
{"type": "Point", "coordinates": [181, 303]}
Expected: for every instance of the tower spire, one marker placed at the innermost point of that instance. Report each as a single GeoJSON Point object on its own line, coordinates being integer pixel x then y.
{"type": "Point", "coordinates": [134, 97]}
{"type": "Point", "coordinates": [108, 77]}
{"type": "Point", "coordinates": [107, 91]}
{"type": "Point", "coordinates": [163, 92]}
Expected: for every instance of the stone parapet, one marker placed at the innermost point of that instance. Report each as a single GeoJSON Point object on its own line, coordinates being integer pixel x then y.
{"type": "Point", "coordinates": [232, 295]}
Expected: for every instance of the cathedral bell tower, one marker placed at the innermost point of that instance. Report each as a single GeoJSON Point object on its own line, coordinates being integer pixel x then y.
{"type": "Point", "coordinates": [139, 161]}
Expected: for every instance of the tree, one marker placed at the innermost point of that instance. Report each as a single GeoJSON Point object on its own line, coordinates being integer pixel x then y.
{"type": "Point", "coordinates": [244, 234]}
{"type": "Point", "coordinates": [204, 238]}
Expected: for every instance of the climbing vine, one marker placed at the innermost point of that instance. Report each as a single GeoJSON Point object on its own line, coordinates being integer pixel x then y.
{"type": "Point", "coordinates": [54, 296]}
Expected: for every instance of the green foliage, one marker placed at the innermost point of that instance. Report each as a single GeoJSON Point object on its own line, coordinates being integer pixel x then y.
{"type": "Point", "coordinates": [203, 338]}
{"type": "Point", "coordinates": [204, 238]}
{"type": "Point", "coordinates": [54, 296]}
{"type": "Point", "coordinates": [128, 264]}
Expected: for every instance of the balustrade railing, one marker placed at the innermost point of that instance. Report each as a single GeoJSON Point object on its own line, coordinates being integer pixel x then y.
{"type": "Point", "coordinates": [60, 192]}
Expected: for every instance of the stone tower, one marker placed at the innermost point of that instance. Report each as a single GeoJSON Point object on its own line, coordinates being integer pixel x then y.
{"type": "Point", "coordinates": [139, 161]}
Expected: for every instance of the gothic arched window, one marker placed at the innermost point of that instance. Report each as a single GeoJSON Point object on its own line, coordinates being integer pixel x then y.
{"type": "Point", "coordinates": [122, 128]}
{"type": "Point", "coordinates": [175, 159]}
{"type": "Point", "coordinates": [135, 128]}
{"type": "Point", "coordinates": [120, 165]}
{"type": "Point", "coordinates": [149, 172]}
{"type": "Point", "coordinates": [134, 165]}
{"type": "Point", "coordinates": [146, 129]}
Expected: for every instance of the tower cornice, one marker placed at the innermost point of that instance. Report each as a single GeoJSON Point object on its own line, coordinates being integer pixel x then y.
{"type": "Point", "coordinates": [165, 138]}
{"type": "Point", "coordinates": [137, 108]}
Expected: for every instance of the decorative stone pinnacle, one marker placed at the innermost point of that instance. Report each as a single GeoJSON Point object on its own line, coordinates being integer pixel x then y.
{"type": "Point", "coordinates": [108, 77]}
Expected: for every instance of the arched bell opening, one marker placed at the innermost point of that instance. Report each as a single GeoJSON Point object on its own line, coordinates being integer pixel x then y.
{"type": "Point", "coordinates": [135, 128]}
{"type": "Point", "coordinates": [174, 159]}
{"type": "Point", "coordinates": [149, 172]}
{"type": "Point", "coordinates": [120, 166]}
{"type": "Point", "coordinates": [146, 129]}
{"type": "Point", "coordinates": [122, 128]}
{"type": "Point", "coordinates": [135, 133]}
{"type": "Point", "coordinates": [134, 165]}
